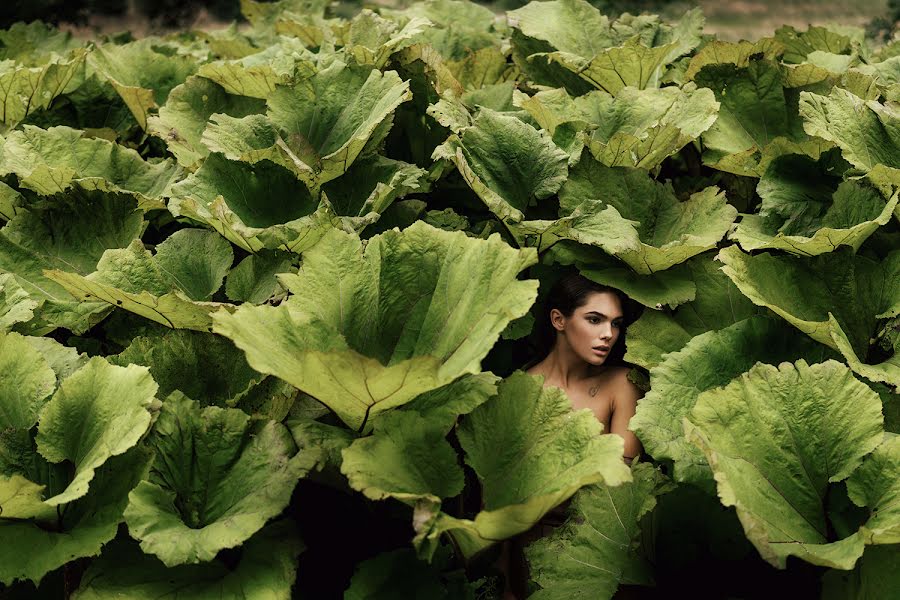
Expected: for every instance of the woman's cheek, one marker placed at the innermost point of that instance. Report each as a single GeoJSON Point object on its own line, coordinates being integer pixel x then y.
{"type": "Point", "coordinates": [582, 332]}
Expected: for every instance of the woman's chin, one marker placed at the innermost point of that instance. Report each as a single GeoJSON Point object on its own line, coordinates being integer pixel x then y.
{"type": "Point", "coordinates": [596, 360]}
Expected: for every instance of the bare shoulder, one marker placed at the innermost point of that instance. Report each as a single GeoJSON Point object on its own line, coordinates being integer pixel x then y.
{"type": "Point", "coordinates": [623, 380]}
{"type": "Point", "coordinates": [615, 381]}
{"type": "Point", "coordinates": [626, 392]}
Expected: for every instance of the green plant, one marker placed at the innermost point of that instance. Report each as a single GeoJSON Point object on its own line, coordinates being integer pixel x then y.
{"type": "Point", "coordinates": [265, 291]}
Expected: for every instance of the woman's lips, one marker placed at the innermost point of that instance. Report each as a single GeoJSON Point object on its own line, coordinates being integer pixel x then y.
{"type": "Point", "coordinates": [600, 351]}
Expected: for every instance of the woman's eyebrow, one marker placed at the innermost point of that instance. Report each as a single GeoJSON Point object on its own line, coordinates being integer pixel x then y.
{"type": "Point", "coordinates": [600, 314]}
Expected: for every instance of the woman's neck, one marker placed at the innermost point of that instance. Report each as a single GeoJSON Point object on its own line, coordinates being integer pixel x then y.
{"type": "Point", "coordinates": [563, 367]}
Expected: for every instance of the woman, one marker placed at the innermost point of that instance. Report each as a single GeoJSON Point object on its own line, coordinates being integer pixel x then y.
{"type": "Point", "coordinates": [582, 322]}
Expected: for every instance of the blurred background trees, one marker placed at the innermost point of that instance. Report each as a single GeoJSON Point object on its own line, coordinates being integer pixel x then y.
{"type": "Point", "coordinates": [163, 13]}
{"type": "Point", "coordinates": [749, 19]}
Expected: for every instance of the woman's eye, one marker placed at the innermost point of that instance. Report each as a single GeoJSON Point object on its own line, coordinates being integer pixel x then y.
{"type": "Point", "coordinates": [617, 324]}
{"type": "Point", "coordinates": [593, 320]}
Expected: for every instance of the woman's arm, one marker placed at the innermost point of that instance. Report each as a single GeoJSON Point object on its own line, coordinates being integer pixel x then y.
{"type": "Point", "coordinates": [624, 404]}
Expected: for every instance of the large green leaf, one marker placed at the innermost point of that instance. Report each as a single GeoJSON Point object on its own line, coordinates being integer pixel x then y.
{"type": "Point", "coordinates": [22, 499]}
{"type": "Point", "coordinates": [79, 531]}
{"type": "Point", "coordinates": [143, 72]}
{"type": "Point", "coordinates": [183, 118]}
{"type": "Point", "coordinates": [874, 577]}
{"type": "Point", "coordinates": [50, 161]}
{"type": "Point", "coordinates": [327, 442]}
{"type": "Point", "coordinates": [754, 114]}
{"type": "Point", "coordinates": [887, 371]}
{"type": "Point", "coordinates": [253, 279]}
{"type": "Point", "coordinates": [26, 89]}
{"type": "Point", "coordinates": [884, 74]}
{"type": "Point", "coordinates": [610, 56]}
{"type": "Point", "coordinates": [16, 306]}
{"type": "Point", "coordinates": [370, 329]}
{"type": "Point", "coordinates": [671, 287]}
{"type": "Point", "coordinates": [798, 189]}
{"type": "Point", "coordinates": [775, 438]}
{"type": "Point", "coordinates": [172, 287]}
{"type": "Point", "coordinates": [630, 65]}
{"type": "Point", "coordinates": [739, 54]}
{"type": "Point", "coordinates": [79, 427]}
{"type": "Point", "coordinates": [441, 407]}
{"type": "Point", "coordinates": [484, 67]}
{"type": "Point", "coordinates": [25, 388]}
{"type": "Point", "coordinates": [273, 399]}
{"type": "Point", "coordinates": [563, 116]}
{"type": "Point", "coordinates": [266, 570]}
{"type": "Point", "coordinates": [541, 455]}
{"type": "Point", "coordinates": [865, 130]}
{"type": "Point", "coordinates": [572, 26]}
{"type": "Point", "coordinates": [807, 210]}
{"type": "Point", "coordinates": [824, 70]}
{"type": "Point", "coordinates": [310, 27]}
{"type": "Point", "coordinates": [642, 222]}
{"type": "Point", "coordinates": [799, 44]}
{"type": "Point", "coordinates": [264, 15]}
{"type": "Point", "coordinates": [371, 39]}
{"type": "Point", "coordinates": [35, 43]}
{"type": "Point", "coordinates": [876, 485]}
{"type": "Point", "coordinates": [636, 128]}
{"type": "Point", "coordinates": [853, 217]}
{"type": "Point", "coordinates": [253, 206]}
{"type": "Point", "coordinates": [100, 411]}
{"type": "Point", "coordinates": [258, 74]}
{"type": "Point", "coordinates": [530, 57]}
{"type": "Point", "coordinates": [218, 477]}
{"type": "Point", "coordinates": [597, 549]}
{"type": "Point", "coordinates": [70, 234]}
{"type": "Point", "coordinates": [465, 34]}
{"type": "Point", "coordinates": [93, 106]}
{"type": "Point", "coordinates": [203, 366]}
{"type": "Point", "coordinates": [64, 360]}
{"type": "Point", "coordinates": [317, 128]}
{"type": "Point", "coordinates": [369, 187]}
{"type": "Point", "coordinates": [227, 42]}
{"type": "Point", "coordinates": [835, 298]}
{"type": "Point", "coordinates": [406, 458]}
{"type": "Point", "coordinates": [718, 304]}
{"type": "Point", "coordinates": [399, 574]}
{"type": "Point", "coordinates": [11, 201]}
{"type": "Point", "coordinates": [508, 163]}
{"type": "Point", "coordinates": [709, 360]}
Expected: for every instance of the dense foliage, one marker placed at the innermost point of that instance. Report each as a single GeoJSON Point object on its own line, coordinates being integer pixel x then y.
{"type": "Point", "coordinates": [264, 295]}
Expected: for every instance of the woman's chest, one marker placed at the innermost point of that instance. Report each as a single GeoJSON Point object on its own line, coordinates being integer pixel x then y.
{"type": "Point", "coordinates": [595, 397]}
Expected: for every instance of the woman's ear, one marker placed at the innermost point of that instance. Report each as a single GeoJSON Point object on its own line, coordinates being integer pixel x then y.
{"type": "Point", "coordinates": [557, 319]}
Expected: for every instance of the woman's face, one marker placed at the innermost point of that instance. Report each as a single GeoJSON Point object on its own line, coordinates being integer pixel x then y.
{"type": "Point", "coordinates": [593, 328]}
